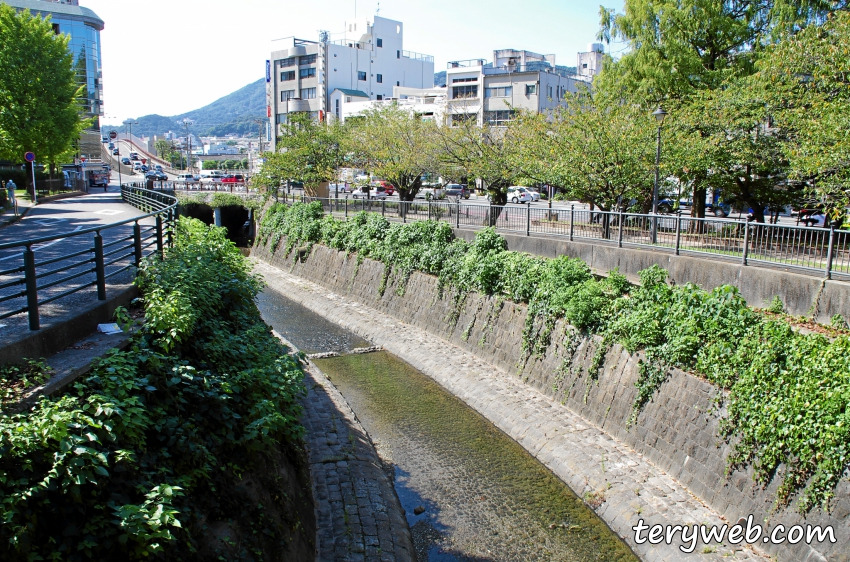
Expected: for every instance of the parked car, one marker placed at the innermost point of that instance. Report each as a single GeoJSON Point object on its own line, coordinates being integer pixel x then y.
{"type": "Point", "coordinates": [233, 178]}
{"type": "Point", "coordinates": [668, 205]}
{"type": "Point", "coordinates": [378, 192]}
{"type": "Point", "coordinates": [457, 190]}
{"type": "Point", "coordinates": [160, 175]}
{"type": "Point", "coordinates": [337, 188]}
{"type": "Point", "coordinates": [388, 187]}
{"type": "Point", "coordinates": [519, 194]}
{"type": "Point", "coordinates": [535, 195]}
{"type": "Point", "coordinates": [187, 179]}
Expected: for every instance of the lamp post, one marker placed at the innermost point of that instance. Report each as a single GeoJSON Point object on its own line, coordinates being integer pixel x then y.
{"type": "Point", "coordinates": [128, 124]}
{"type": "Point", "coordinates": [659, 115]}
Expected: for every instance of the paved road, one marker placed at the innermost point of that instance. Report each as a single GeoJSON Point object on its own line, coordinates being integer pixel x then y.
{"type": "Point", "coordinates": [59, 218]}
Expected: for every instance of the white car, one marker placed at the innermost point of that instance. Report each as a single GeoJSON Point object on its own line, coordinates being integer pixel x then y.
{"type": "Point", "coordinates": [517, 191]}
{"type": "Point", "coordinates": [373, 193]}
{"type": "Point", "coordinates": [517, 194]}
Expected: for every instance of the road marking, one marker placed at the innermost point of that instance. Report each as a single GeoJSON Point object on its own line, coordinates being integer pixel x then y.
{"type": "Point", "coordinates": [109, 212]}
{"type": "Point", "coordinates": [48, 221]}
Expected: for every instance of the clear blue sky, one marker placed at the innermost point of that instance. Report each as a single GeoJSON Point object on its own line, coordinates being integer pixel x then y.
{"type": "Point", "coordinates": [172, 56]}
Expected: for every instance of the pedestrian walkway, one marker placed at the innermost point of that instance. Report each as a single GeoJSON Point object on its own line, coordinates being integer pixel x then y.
{"type": "Point", "coordinates": [358, 515]}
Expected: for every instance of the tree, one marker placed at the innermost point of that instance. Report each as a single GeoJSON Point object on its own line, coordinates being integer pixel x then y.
{"type": "Point", "coordinates": [681, 48]}
{"type": "Point", "coordinates": [396, 146]}
{"type": "Point", "coordinates": [308, 151]}
{"type": "Point", "coordinates": [39, 94]}
{"type": "Point", "coordinates": [165, 150]}
{"type": "Point", "coordinates": [805, 82]}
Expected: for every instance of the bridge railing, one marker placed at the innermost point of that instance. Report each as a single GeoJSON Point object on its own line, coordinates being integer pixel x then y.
{"type": "Point", "coordinates": [824, 250]}
{"type": "Point", "coordinates": [39, 277]}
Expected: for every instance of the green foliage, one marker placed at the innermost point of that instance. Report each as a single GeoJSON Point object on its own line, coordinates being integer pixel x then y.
{"type": "Point", "coordinates": [39, 93]}
{"type": "Point", "coordinates": [16, 379]}
{"type": "Point", "coordinates": [787, 392]}
{"type": "Point", "coordinates": [776, 306]}
{"type": "Point", "coordinates": [154, 441]}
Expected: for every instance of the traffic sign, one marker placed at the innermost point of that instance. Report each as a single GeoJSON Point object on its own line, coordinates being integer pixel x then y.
{"type": "Point", "coordinates": [29, 157]}
{"type": "Point", "coordinates": [144, 160]}
{"type": "Point", "coordinates": [113, 135]}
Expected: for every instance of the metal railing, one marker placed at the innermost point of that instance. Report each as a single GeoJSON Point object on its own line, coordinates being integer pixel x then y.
{"type": "Point", "coordinates": [809, 249]}
{"type": "Point", "coordinates": [115, 248]}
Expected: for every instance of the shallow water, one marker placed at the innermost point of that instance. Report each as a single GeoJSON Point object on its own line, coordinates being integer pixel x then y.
{"type": "Point", "coordinates": [484, 497]}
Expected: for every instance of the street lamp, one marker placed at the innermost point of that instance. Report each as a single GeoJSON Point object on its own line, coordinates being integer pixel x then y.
{"type": "Point", "coordinates": [659, 115]}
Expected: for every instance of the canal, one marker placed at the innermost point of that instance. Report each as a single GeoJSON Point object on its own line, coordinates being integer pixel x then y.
{"type": "Point", "coordinates": [469, 491]}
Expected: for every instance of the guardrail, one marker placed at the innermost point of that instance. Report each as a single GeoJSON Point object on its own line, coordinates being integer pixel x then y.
{"type": "Point", "coordinates": [66, 274]}
{"type": "Point", "coordinates": [823, 250]}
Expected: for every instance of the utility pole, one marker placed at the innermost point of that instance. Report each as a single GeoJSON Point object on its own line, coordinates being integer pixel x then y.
{"type": "Point", "coordinates": [187, 123]}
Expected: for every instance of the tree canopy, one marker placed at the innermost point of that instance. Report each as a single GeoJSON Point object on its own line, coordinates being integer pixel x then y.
{"type": "Point", "coordinates": [39, 94]}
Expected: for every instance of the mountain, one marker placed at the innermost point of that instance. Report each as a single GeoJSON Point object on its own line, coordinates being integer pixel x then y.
{"type": "Point", "coordinates": [232, 114]}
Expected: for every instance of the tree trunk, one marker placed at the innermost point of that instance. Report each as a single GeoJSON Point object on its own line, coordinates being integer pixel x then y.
{"type": "Point", "coordinates": [698, 206]}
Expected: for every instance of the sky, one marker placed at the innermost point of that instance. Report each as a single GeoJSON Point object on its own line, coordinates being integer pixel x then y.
{"type": "Point", "coordinates": [168, 57]}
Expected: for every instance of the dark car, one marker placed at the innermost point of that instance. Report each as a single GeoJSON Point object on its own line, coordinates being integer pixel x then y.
{"type": "Point", "coordinates": [115, 152]}
{"type": "Point", "coordinates": [160, 175]}
{"type": "Point", "coordinates": [457, 190]}
{"type": "Point", "coordinates": [125, 161]}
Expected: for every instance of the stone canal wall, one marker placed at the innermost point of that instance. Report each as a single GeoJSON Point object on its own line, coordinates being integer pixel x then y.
{"type": "Point", "coordinates": [676, 432]}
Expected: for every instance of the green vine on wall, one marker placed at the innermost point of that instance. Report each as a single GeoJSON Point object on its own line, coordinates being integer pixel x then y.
{"type": "Point", "coordinates": [788, 393]}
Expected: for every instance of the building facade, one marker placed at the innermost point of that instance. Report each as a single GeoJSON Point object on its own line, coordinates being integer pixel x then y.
{"type": "Point", "coordinates": [302, 75]}
{"type": "Point", "coordinates": [492, 93]}
{"type": "Point", "coordinates": [84, 27]}
{"type": "Point", "coordinates": [589, 64]}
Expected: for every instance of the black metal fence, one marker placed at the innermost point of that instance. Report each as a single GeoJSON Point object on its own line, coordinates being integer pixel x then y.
{"type": "Point", "coordinates": [825, 250]}
{"type": "Point", "coordinates": [39, 276]}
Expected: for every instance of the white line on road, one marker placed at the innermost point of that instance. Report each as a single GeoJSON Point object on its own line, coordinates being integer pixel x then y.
{"type": "Point", "coordinates": [41, 246]}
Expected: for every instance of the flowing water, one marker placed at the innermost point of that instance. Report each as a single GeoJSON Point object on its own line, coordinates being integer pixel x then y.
{"type": "Point", "coordinates": [482, 497]}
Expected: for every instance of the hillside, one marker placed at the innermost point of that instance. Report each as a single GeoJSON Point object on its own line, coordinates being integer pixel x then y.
{"type": "Point", "coordinates": [234, 113]}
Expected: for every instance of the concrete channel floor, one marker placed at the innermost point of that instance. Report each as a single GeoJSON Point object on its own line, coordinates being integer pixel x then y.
{"type": "Point", "coordinates": [581, 454]}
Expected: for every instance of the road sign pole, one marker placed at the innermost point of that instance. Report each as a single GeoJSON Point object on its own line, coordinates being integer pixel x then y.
{"type": "Point", "coordinates": [34, 191]}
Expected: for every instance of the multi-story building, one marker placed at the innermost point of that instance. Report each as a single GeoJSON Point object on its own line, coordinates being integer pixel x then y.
{"type": "Point", "coordinates": [302, 75]}
{"type": "Point", "coordinates": [589, 64]}
{"type": "Point", "coordinates": [493, 92]}
{"type": "Point", "coordinates": [84, 27]}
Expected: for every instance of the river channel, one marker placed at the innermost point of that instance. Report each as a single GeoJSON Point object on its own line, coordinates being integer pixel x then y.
{"type": "Point", "coordinates": [484, 497]}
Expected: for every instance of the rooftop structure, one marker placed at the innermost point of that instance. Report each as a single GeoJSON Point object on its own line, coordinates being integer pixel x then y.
{"type": "Point", "coordinates": [370, 59]}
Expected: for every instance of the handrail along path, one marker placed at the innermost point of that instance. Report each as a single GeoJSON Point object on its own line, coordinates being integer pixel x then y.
{"type": "Point", "coordinates": [64, 274]}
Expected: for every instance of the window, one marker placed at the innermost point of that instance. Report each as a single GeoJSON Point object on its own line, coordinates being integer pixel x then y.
{"type": "Point", "coordinates": [307, 72]}
{"type": "Point", "coordinates": [380, 78]}
{"type": "Point", "coordinates": [459, 118]}
{"type": "Point", "coordinates": [500, 117]}
{"type": "Point", "coordinates": [397, 83]}
{"type": "Point", "coordinates": [498, 92]}
{"type": "Point", "coordinates": [308, 93]}
{"type": "Point", "coordinates": [361, 76]}
{"type": "Point", "coordinates": [287, 95]}
{"type": "Point", "coordinates": [56, 29]}
{"type": "Point", "coordinates": [530, 89]}
{"type": "Point", "coordinates": [456, 80]}
{"type": "Point", "coordinates": [307, 59]}
{"type": "Point", "coordinates": [584, 65]}
{"type": "Point", "coordinates": [461, 92]}
{"type": "Point", "coordinates": [288, 75]}
{"type": "Point", "coordinates": [380, 97]}
{"type": "Point", "coordinates": [398, 54]}
{"type": "Point", "coordinates": [337, 107]}
{"type": "Point", "coordinates": [287, 62]}
{"type": "Point", "coordinates": [380, 42]}
{"type": "Point", "coordinates": [550, 92]}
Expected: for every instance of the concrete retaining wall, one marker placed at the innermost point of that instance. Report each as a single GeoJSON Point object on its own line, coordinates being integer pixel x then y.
{"type": "Point", "coordinates": [802, 294]}
{"type": "Point", "coordinates": [677, 430]}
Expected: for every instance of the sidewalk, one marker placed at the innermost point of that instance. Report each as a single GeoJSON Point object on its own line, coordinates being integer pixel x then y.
{"type": "Point", "coordinates": [9, 217]}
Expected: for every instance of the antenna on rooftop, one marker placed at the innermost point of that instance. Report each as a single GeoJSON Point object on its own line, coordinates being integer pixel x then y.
{"type": "Point", "coordinates": [379, 9]}
{"type": "Point", "coordinates": [324, 36]}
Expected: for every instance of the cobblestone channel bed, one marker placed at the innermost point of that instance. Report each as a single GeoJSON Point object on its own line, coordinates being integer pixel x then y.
{"type": "Point", "coordinates": [580, 454]}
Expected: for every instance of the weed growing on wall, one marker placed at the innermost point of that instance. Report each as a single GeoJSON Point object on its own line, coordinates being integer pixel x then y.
{"type": "Point", "coordinates": [152, 446]}
{"type": "Point", "coordinates": [787, 392]}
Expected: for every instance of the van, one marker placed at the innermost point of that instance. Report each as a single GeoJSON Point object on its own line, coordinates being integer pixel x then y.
{"type": "Point", "coordinates": [211, 176]}
{"type": "Point", "coordinates": [187, 179]}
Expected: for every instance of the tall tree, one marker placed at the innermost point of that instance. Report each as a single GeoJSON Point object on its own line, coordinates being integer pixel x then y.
{"type": "Point", "coordinates": [394, 145]}
{"type": "Point", "coordinates": [309, 151]}
{"type": "Point", "coordinates": [681, 48]}
{"type": "Point", "coordinates": [39, 95]}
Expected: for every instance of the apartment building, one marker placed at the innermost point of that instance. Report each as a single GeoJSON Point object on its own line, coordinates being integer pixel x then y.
{"type": "Point", "coordinates": [317, 76]}
{"type": "Point", "coordinates": [492, 92]}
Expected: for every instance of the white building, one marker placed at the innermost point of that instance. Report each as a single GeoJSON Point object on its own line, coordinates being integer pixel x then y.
{"type": "Point", "coordinates": [493, 92]}
{"type": "Point", "coordinates": [589, 64]}
{"type": "Point", "coordinates": [427, 103]}
{"type": "Point", "coordinates": [302, 75]}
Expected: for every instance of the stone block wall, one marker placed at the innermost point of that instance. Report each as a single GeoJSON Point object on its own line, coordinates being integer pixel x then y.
{"type": "Point", "coordinates": [677, 430]}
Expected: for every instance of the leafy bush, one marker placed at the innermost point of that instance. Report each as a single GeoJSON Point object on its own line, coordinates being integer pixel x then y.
{"type": "Point", "coordinates": [154, 442]}
{"type": "Point", "coordinates": [787, 392]}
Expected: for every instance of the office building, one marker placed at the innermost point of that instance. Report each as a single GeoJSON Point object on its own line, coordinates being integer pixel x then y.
{"type": "Point", "coordinates": [493, 92]}
{"type": "Point", "coordinates": [317, 76]}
